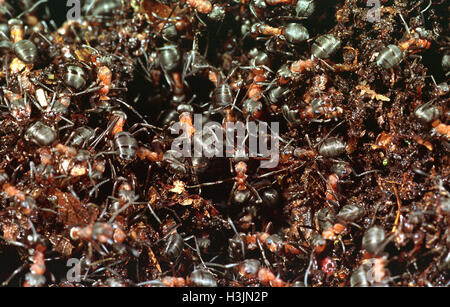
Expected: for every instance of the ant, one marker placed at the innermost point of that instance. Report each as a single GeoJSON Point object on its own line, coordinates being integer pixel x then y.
{"type": "Point", "coordinates": [98, 232]}
{"type": "Point", "coordinates": [26, 203]}
{"type": "Point", "coordinates": [36, 247]}
{"type": "Point", "coordinates": [18, 105]}
{"type": "Point", "coordinates": [126, 198]}
{"type": "Point", "coordinates": [198, 278]}
{"type": "Point", "coordinates": [251, 269]}
{"type": "Point", "coordinates": [240, 188]}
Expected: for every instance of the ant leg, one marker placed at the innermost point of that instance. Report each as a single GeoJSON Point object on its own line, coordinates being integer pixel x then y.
{"type": "Point", "coordinates": [145, 69]}
{"type": "Point", "coordinates": [72, 28]}
{"type": "Point", "coordinates": [308, 269]}
{"type": "Point", "coordinates": [113, 170]}
{"type": "Point", "coordinates": [199, 19]}
{"type": "Point", "coordinates": [31, 8]}
{"type": "Point", "coordinates": [258, 67]}
{"type": "Point", "coordinates": [105, 153]}
{"type": "Point", "coordinates": [44, 38]}
{"type": "Point", "coordinates": [204, 184]}
{"type": "Point", "coordinates": [233, 190]}
{"type": "Point", "coordinates": [231, 74]}
{"type": "Point", "coordinates": [404, 23]}
{"type": "Point", "coordinates": [309, 141]}
{"type": "Point", "coordinates": [69, 138]}
{"type": "Point", "coordinates": [5, 64]}
{"type": "Point", "coordinates": [140, 130]}
{"type": "Point", "coordinates": [356, 225]}
{"type": "Point", "coordinates": [86, 91]}
{"type": "Point", "coordinates": [268, 226]}
{"type": "Point", "coordinates": [132, 109]}
{"type": "Point", "coordinates": [175, 214]}
{"type": "Point", "coordinates": [167, 19]}
{"type": "Point", "coordinates": [266, 262]}
{"type": "Point", "coordinates": [189, 61]}
{"type": "Point", "coordinates": [16, 271]}
{"type": "Point", "coordinates": [147, 180]}
{"type": "Point", "coordinates": [153, 213]}
{"type": "Point", "coordinates": [35, 235]}
{"type": "Point", "coordinates": [230, 222]}
{"type": "Point", "coordinates": [21, 89]}
{"type": "Point", "coordinates": [169, 81]}
{"type": "Point", "coordinates": [117, 181]}
{"type": "Point", "coordinates": [205, 53]}
{"type": "Point", "coordinates": [145, 126]}
{"type": "Point", "coordinates": [292, 167]}
{"type": "Point", "coordinates": [36, 82]}
{"type": "Point", "coordinates": [195, 175]}
{"type": "Point", "coordinates": [252, 10]}
{"type": "Point", "coordinates": [36, 104]}
{"type": "Point", "coordinates": [102, 135]}
{"type": "Point", "coordinates": [4, 36]}
{"type": "Point", "coordinates": [15, 243]}
{"type": "Point", "coordinates": [342, 244]}
{"type": "Point", "coordinates": [197, 249]}
{"type": "Point", "coordinates": [70, 123]}
{"type": "Point", "coordinates": [49, 210]}
{"type": "Point", "coordinates": [364, 173]}
{"type": "Point", "coordinates": [329, 190]}
{"type": "Point", "coordinates": [14, 174]}
{"type": "Point", "coordinates": [117, 212]}
{"type": "Point", "coordinates": [329, 133]}
{"type": "Point", "coordinates": [52, 103]}
{"type": "Point", "coordinates": [95, 188]}
{"type": "Point", "coordinates": [32, 170]}
{"type": "Point", "coordinates": [211, 264]}
{"type": "Point", "coordinates": [255, 193]}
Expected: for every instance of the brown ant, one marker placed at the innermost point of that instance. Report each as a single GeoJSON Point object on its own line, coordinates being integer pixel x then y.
{"type": "Point", "coordinates": [251, 269]}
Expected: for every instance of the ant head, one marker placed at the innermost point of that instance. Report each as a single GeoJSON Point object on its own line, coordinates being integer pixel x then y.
{"type": "Point", "coordinates": [240, 167]}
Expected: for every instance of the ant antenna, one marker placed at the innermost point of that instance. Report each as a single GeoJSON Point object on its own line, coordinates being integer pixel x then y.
{"type": "Point", "coordinates": [44, 38]}
{"type": "Point", "coordinates": [363, 173]}
{"type": "Point", "coordinates": [308, 269]}
{"type": "Point", "coordinates": [425, 9]}
{"type": "Point", "coordinates": [434, 81]}
{"type": "Point", "coordinates": [266, 262]}
{"type": "Point", "coordinates": [132, 109]}
{"type": "Point", "coordinates": [240, 238]}
{"type": "Point", "coordinates": [16, 271]}
{"type": "Point", "coordinates": [153, 213]}
{"type": "Point", "coordinates": [91, 5]}
{"type": "Point", "coordinates": [31, 8]}
{"type": "Point", "coordinates": [91, 48]}
{"type": "Point", "coordinates": [4, 35]}
{"type": "Point", "coordinates": [252, 10]}
{"type": "Point", "coordinates": [95, 188]}
{"type": "Point", "coordinates": [328, 134]}
{"type": "Point", "coordinates": [35, 235]}
{"type": "Point", "coordinates": [404, 22]}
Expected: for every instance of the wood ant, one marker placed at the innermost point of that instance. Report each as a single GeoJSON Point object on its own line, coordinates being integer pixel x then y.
{"type": "Point", "coordinates": [26, 203]}
{"type": "Point", "coordinates": [252, 270]}
{"type": "Point", "coordinates": [240, 188]}
{"type": "Point", "coordinates": [98, 232]}
{"type": "Point", "coordinates": [198, 278]}
{"type": "Point", "coordinates": [36, 247]}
